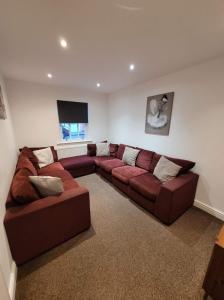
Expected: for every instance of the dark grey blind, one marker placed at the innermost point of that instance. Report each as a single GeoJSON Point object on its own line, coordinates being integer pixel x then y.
{"type": "Point", "coordinates": [72, 112]}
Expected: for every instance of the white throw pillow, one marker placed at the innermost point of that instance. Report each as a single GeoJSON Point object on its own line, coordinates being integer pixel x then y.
{"type": "Point", "coordinates": [130, 156]}
{"type": "Point", "coordinates": [166, 170]}
{"type": "Point", "coordinates": [44, 156]}
{"type": "Point", "coordinates": [102, 149]}
{"type": "Point", "coordinates": [47, 185]}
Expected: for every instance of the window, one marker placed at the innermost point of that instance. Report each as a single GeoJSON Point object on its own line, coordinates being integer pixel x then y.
{"type": "Point", "coordinates": [73, 120]}
{"type": "Point", "coordinates": [74, 131]}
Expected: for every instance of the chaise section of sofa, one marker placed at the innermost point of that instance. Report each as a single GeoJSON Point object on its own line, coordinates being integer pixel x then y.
{"type": "Point", "coordinates": [36, 227]}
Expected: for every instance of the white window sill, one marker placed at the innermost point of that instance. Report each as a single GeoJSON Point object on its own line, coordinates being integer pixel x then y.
{"type": "Point", "coordinates": [70, 144]}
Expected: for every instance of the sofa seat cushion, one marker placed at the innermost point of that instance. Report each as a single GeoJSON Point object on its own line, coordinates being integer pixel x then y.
{"type": "Point", "coordinates": [125, 173]}
{"type": "Point", "coordinates": [109, 165]}
{"type": "Point", "coordinates": [74, 162]}
{"type": "Point", "coordinates": [99, 159]}
{"type": "Point", "coordinates": [50, 168]}
{"type": "Point", "coordinates": [146, 185]}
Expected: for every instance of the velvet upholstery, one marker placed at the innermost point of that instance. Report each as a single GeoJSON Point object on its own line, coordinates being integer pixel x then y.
{"type": "Point", "coordinates": [185, 164]}
{"type": "Point", "coordinates": [54, 152]}
{"type": "Point", "coordinates": [109, 165]}
{"type": "Point", "coordinates": [99, 159]}
{"type": "Point", "coordinates": [120, 151]}
{"type": "Point", "coordinates": [104, 174]}
{"type": "Point", "coordinates": [147, 185]}
{"type": "Point", "coordinates": [113, 149]}
{"type": "Point", "coordinates": [125, 173]}
{"type": "Point", "coordinates": [91, 149]}
{"type": "Point", "coordinates": [175, 197]}
{"type": "Point", "coordinates": [25, 163]}
{"type": "Point", "coordinates": [22, 190]}
{"type": "Point", "coordinates": [50, 168]}
{"type": "Point", "coordinates": [79, 165]}
{"type": "Point", "coordinates": [141, 200]}
{"type": "Point", "coordinates": [120, 185]}
{"type": "Point", "coordinates": [144, 159]}
{"type": "Point", "coordinates": [33, 229]}
{"type": "Point", "coordinates": [70, 163]}
{"type": "Point", "coordinates": [44, 222]}
{"type": "Point", "coordinates": [29, 153]}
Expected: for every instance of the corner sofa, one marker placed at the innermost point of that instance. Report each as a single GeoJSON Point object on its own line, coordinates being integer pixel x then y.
{"type": "Point", "coordinates": [40, 225]}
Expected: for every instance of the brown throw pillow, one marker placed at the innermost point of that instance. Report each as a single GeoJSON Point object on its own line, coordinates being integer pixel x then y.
{"type": "Point", "coordinates": [22, 190]}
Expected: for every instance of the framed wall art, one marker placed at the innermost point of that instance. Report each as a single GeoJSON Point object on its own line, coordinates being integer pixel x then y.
{"type": "Point", "coordinates": [158, 114]}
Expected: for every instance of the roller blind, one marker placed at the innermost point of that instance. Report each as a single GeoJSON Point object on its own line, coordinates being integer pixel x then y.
{"type": "Point", "coordinates": [72, 112]}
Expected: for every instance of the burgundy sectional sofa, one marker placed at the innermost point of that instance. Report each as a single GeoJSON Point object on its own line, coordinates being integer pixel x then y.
{"type": "Point", "coordinates": [40, 225]}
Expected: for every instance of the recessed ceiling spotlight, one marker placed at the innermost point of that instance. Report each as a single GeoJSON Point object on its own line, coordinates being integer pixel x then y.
{"type": "Point", "coordinates": [131, 67]}
{"type": "Point", "coordinates": [63, 43]}
{"type": "Point", "coordinates": [98, 84]}
{"type": "Point", "coordinates": [49, 75]}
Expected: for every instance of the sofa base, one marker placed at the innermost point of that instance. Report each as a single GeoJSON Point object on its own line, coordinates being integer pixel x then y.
{"type": "Point", "coordinates": [122, 186]}
{"type": "Point", "coordinates": [86, 170]}
{"type": "Point", "coordinates": [141, 200]}
{"type": "Point", "coordinates": [105, 174]}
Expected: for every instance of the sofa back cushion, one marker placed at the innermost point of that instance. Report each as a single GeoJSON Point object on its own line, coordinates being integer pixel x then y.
{"type": "Point", "coordinates": [144, 159]}
{"type": "Point", "coordinates": [22, 190]}
{"type": "Point", "coordinates": [113, 149]}
{"type": "Point", "coordinates": [29, 154]}
{"type": "Point", "coordinates": [25, 163]}
{"type": "Point", "coordinates": [186, 165]}
{"type": "Point", "coordinates": [91, 149]}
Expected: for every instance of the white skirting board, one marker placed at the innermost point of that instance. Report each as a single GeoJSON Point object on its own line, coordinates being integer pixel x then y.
{"type": "Point", "coordinates": [12, 281]}
{"type": "Point", "coordinates": [211, 210]}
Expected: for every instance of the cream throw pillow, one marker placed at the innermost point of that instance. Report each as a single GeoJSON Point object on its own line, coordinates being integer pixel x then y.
{"type": "Point", "coordinates": [166, 170]}
{"type": "Point", "coordinates": [47, 185]}
{"type": "Point", "coordinates": [44, 156]}
{"type": "Point", "coordinates": [130, 156]}
{"type": "Point", "coordinates": [102, 149]}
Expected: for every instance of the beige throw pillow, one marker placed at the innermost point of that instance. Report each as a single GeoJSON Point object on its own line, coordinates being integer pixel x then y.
{"type": "Point", "coordinates": [44, 156]}
{"type": "Point", "coordinates": [166, 170]}
{"type": "Point", "coordinates": [130, 156]}
{"type": "Point", "coordinates": [102, 149]}
{"type": "Point", "coordinates": [47, 185]}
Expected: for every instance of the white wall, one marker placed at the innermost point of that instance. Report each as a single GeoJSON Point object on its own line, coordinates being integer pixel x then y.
{"type": "Point", "coordinates": [197, 124]}
{"type": "Point", "coordinates": [35, 116]}
{"type": "Point", "coordinates": [8, 157]}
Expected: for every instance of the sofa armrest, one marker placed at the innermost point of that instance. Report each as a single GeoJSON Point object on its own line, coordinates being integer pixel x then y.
{"type": "Point", "coordinates": [34, 228]}
{"type": "Point", "coordinates": [175, 197]}
{"type": "Point", "coordinates": [35, 207]}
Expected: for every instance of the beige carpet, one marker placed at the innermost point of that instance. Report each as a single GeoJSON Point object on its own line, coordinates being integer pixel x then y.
{"type": "Point", "coordinates": [127, 254]}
